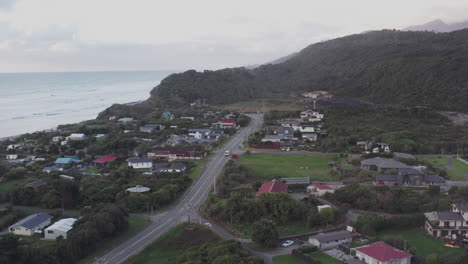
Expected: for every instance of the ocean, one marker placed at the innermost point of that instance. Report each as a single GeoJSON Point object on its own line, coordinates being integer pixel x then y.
{"type": "Point", "coordinates": [32, 102]}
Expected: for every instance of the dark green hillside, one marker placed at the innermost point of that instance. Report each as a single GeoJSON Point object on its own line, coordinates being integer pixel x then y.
{"type": "Point", "coordinates": [390, 67]}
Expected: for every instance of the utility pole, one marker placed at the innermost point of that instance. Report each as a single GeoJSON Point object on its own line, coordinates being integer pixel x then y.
{"type": "Point", "coordinates": [188, 211]}
{"type": "Point", "coordinates": [147, 211]}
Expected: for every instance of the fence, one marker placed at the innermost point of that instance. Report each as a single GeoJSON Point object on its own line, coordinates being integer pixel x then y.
{"type": "Point", "coordinates": [265, 146]}
{"type": "Point", "coordinates": [462, 160]}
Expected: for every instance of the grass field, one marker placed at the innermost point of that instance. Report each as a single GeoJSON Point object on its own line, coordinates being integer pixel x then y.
{"type": "Point", "coordinates": [269, 167]}
{"type": "Point", "coordinates": [135, 226]}
{"type": "Point", "coordinates": [197, 170]}
{"type": "Point", "coordinates": [287, 259]}
{"type": "Point", "coordinates": [323, 258]}
{"type": "Point", "coordinates": [422, 244]}
{"type": "Point", "coordinates": [172, 244]}
{"type": "Point", "coordinates": [460, 166]}
{"type": "Point", "coordinates": [6, 186]}
{"type": "Point", "coordinates": [455, 175]}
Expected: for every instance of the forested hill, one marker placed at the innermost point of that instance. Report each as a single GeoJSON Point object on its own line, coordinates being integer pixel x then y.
{"type": "Point", "coordinates": [391, 67]}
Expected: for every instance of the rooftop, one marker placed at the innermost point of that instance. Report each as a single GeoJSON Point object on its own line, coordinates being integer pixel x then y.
{"type": "Point", "coordinates": [332, 236]}
{"type": "Point", "coordinates": [64, 225]}
{"type": "Point", "coordinates": [138, 189]}
{"type": "Point", "coordinates": [383, 252]}
{"type": "Point", "coordinates": [322, 187]}
{"type": "Point", "coordinates": [384, 163]}
{"type": "Point", "coordinates": [105, 159]}
{"type": "Point", "coordinates": [33, 221]}
{"type": "Point", "coordinates": [138, 160]}
{"type": "Point", "coordinates": [273, 186]}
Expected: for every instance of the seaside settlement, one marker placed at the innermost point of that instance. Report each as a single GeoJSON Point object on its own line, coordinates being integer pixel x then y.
{"type": "Point", "coordinates": [369, 202]}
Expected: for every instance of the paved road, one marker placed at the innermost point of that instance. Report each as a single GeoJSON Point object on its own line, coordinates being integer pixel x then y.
{"type": "Point", "coordinates": [189, 203]}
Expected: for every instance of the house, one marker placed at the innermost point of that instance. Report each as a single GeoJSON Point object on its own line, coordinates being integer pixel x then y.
{"type": "Point", "coordinates": [381, 253]}
{"type": "Point", "coordinates": [140, 163]}
{"type": "Point", "coordinates": [273, 187]}
{"type": "Point", "coordinates": [188, 118]}
{"type": "Point", "coordinates": [76, 136]}
{"type": "Point", "coordinates": [12, 156]}
{"type": "Point", "coordinates": [169, 167]}
{"type": "Point", "coordinates": [209, 114]}
{"type": "Point", "coordinates": [174, 153]}
{"type": "Point", "coordinates": [50, 169]}
{"type": "Point", "coordinates": [102, 161]}
{"type": "Point", "coordinates": [309, 114]}
{"type": "Point", "coordinates": [215, 135]}
{"type": "Point", "coordinates": [59, 229]}
{"type": "Point", "coordinates": [319, 190]}
{"type": "Point", "coordinates": [138, 189]}
{"type": "Point", "coordinates": [408, 177]}
{"type": "Point", "coordinates": [299, 180]}
{"type": "Point", "coordinates": [100, 135]}
{"type": "Point", "coordinates": [63, 143]}
{"type": "Point", "coordinates": [125, 120]}
{"type": "Point", "coordinates": [226, 123]}
{"type": "Point", "coordinates": [448, 224]}
{"type": "Point", "coordinates": [199, 132]}
{"type": "Point", "coordinates": [304, 129]}
{"type": "Point", "coordinates": [57, 138]}
{"type": "Point", "coordinates": [29, 225]}
{"type": "Point", "coordinates": [289, 123]}
{"type": "Point", "coordinates": [66, 177]}
{"type": "Point", "coordinates": [310, 136]}
{"type": "Point", "coordinates": [381, 164]}
{"type": "Point", "coordinates": [61, 162]}
{"type": "Point", "coordinates": [150, 128]}
{"type": "Point", "coordinates": [39, 185]}
{"type": "Point", "coordinates": [15, 146]}
{"type": "Point", "coordinates": [272, 138]}
{"type": "Point", "coordinates": [285, 131]}
{"type": "Point", "coordinates": [330, 240]}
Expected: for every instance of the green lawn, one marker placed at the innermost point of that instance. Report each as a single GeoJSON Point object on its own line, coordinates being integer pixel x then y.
{"type": "Point", "coordinates": [197, 170]}
{"type": "Point", "coordinates": [282, 166]}
{"type": "Point", "coordinates": [135, 226]}
{"type": "Point", "coordinates": [172, 244]}
{"type": "Point", "coordinates": [6, 186]}
{"type": "Point", "coordinates": [460, 166]}
{"type": "Point", "coordinates": [434, 160]}
{"type": "Point", "coordinates": [287, 259]}
{"type": "Point", "coordinates": [422, 244]}
{"type": "Point", "coordinates": [288, 229]}
{"type": "Point", "coordinates": [323, 258]}
{"type": "Point", "coordinates": [91, 171]}
{"type": "Point", "coordinates": [455, 175]}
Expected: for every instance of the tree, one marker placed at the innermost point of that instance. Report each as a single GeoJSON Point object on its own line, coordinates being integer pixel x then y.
{"type": "Point", "coordinates": [433, 190]}
{"type": "Point", "coordinates": [264, 232]}
{"type": "Point", "coordinates": [327, 215]}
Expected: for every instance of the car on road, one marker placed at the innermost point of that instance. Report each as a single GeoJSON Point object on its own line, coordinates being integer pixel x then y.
{"type": "Point", "coordinates": [227, 153]}
{"type": "Point", "coordinates": [287, 243]}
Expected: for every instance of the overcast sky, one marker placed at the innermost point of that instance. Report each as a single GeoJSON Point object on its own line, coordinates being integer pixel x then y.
{"type": "Point", "coordinates": [89, 35]}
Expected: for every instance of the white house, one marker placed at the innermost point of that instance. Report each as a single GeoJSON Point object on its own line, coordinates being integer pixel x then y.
{"type": "Point", "coordinates": [139, 163]}
{"type": "Point", "coordinates": [381, 253]}
{"type": "Point", "coordinates": [14, 146]}
{"type": "Point", "coordinates": [63, 143]}
{"type": "Point", "coordinates": [309, 114]}
{"type": "Point", "coordinates": [319, 190]}
{"type": "Point", "coordinates": [199, 132]}
{"type": "Point", "coordinates": [188, 118]}
{"type": "Point", "coordinates": [331, 239]}
{"type": "Point", "coordinates": [59, 228]}
{"type": "Point", "coordinates": [76, 136]}
{"type": "Point", "coordinates": [310, 136]}
{"type": "Point", "coordinates": [138, 189]}
{"type": "Point", "coordinates": [30, 224]}
{"type": "Point", "coordinates": [11, 156]}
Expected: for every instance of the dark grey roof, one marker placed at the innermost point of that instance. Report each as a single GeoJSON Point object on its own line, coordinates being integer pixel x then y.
{"type": "Point", "coordinates": [386, 177]}
{"type": "Point", "coordinates": [449, 216]}
{"type": "Point", "coordinates": [410, 171]}
{"type": "Point", "coordinates": [32, 221]}
{"type": "Point", "coordinates": [462, 207]}
{"type": "Point", "coordinates": [434, 178]}
{"type": "Point", "coordinates": [178, 166]}
{"type": "Point", "coordinates": [138, 160]}
{"type": "Point", "coordinates": [37, 183]}
{"type": "Point", "coordinates": [332, 236]}
{"type": "Point", "coordinates": [161, 165]}
{"type": "Point", "coordinates": [286, 131]}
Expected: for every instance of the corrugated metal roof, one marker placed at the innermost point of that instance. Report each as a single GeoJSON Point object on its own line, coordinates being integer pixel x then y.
{"type": "Point", "coordinates": [64, 225]}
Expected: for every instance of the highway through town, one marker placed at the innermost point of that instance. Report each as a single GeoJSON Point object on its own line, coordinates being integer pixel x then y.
{"type": "Point", "coordinates": [188, 205]}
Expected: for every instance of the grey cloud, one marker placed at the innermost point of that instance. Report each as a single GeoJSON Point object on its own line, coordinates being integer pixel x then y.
{"type": "Point", "coordinates": [6, 4]}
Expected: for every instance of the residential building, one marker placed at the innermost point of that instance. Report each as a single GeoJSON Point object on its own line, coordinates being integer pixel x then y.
{"type": "Point", "coordinates": [15, 146]}
{"type": "Point", "coordinates": [321, 207]}
{"type": "Point", "coordinates": [39, 185]}
{"type": "Point", "coordinates": [289, 123]}
{"type": "Point", "coordinates": [226, 123]}
{"type": "Point", "coordinates": [30, 224]}
{"type": "Point", "coordinates": [310, 136]}
{"type": "Point", "coordinates": [273, 138]}
{"type": "Point", "coordinates": [448, 224]}
{"type": "Point", "coordinates": [100, 135]}
{"type": "Point", "coordinates": [57, 138]}
{"type": "Point", "coordinates": [169, 167]}
{"type": "Point", "coordinates": [66, 177]}
{"type": "Point", "coordinates": [125, 120]}
{"type": "Point", "coordinates": [408, 177]}
{"type": "Point", "coordinates": [59, 229]}
{"type": "Point", "coordinates": [381, 253]}
{"type": "Point", "coordinates": [381, 164]}
{"type": "Point", "coordinates": [273, 186]}
{"type": "Point", "coordinates": [12, 156]}
{"type": "Point", "coordinates": [61, 162]}
{"type": "Point", "coordinates": [330, 240]}
{"type": "Point", "coordinates": [400, 155]}
{"type": "Point", "coordinates": [309, 114]}
{"type": "Point", "coordinates": [304, 128]}
{"type": "Point", "coordinates": [319, 190]}
{"type": "Point", "coordinates": [188, 118]}
{"type": "Point", "coordinates": [139, 163]}
{"type": "Point", "coordinates": [175, 153]}
{"type": "Point", "coordinates": [199, 132]}
{"type": "Point", "coordinates": [138, 189]}
{"type": "Point", "coordinates": [299, 180]}
{"type": "Point", "coordinates": [167, 116]}
{"type": "Point", "coordinates": [102, 161]}
{"type": "Point", "coordinates": [150, 128]}
{"type": "Point", "coordinates": [76, 136]}
{"type": "Point", "coordinates": [285, 131]}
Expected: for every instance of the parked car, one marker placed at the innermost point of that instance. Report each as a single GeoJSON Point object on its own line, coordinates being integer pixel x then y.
{"type": "Point", "coordinates": [287, 243]}
{"type": "Point", "coordinates": [227, 153]}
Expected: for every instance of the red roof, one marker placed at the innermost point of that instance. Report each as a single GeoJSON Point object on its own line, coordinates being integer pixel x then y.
{"type": "Point", "coordinates": [227, 121]}
{"type": "Point", "coordinates": [273, 186]}
{"type": "Point", "coordinates": [322, 187]}
{"type": "Point", "coordinates": [383, 252]}
{"type": "Point", "coordinates": [105, 159]}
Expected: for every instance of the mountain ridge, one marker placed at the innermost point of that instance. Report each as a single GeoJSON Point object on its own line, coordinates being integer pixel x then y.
{"type": "Point", "coordinates": [438, 25]}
